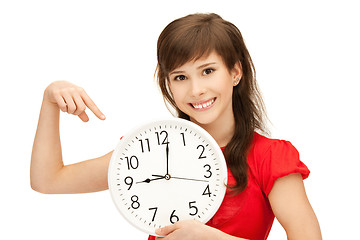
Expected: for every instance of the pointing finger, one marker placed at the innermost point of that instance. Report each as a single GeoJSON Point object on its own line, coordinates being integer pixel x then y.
{"type": "Point", "coordinates": [92, 106]}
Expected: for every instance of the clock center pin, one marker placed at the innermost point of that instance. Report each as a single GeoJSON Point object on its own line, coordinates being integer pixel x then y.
{"type": "Point", "coordinates": [167, 177]}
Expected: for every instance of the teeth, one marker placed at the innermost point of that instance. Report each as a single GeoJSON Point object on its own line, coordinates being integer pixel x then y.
{"type": "Point", "coordinates": [204, 105]}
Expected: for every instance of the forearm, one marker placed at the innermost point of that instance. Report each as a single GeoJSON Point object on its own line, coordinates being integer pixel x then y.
{"type": "Point", "coordinates": [46, 158]}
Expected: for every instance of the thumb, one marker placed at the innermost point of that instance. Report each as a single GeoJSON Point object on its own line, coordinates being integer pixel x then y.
{"type": "Point", "coordinates": [166, 230]}
{"type": "Point", "coordinates": [83, 116]}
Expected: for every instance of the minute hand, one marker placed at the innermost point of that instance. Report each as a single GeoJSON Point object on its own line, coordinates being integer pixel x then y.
{"type": "Point", "coordinates": [191, 179]}
{"type": "Point", "coordinates": [167, 159]}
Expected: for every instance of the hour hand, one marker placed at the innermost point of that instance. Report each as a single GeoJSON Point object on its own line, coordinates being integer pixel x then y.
{"type": "Point", "coordinates": [148, 180]}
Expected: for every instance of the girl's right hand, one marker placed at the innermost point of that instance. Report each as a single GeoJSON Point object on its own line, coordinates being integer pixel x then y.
{"type": "Point", "coordinates": [71, 99]}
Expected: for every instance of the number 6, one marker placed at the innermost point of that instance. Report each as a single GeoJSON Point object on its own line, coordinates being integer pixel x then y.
{"type": "Point", "coordinates": [172, 216]}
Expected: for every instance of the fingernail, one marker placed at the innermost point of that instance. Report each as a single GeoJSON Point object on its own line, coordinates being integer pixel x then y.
{"type": "Point", "coordinates": [158, 231]}
{"type": "Point", "coordinates": [102, 117]}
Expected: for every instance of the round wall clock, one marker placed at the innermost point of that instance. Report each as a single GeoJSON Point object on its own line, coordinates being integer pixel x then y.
{"type": "Point", "coordinates": [166, 171]}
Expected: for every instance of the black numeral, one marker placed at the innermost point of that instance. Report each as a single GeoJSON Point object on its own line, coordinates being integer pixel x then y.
{"type": "Point", "coordinates": [165, 139]}
{"type": "Point", "coordinates": [142, 145]}
{"type": "Point", "coordinates": [154, 208]}
{"type": "Point", "coordinates": [207, 191]}
{"type": "Point", "coordinates": [192, 206]}
{"type": "Point", "coordinates": [202, 151]}
{"type": "Point", "coordinates": [135, 202]}
{"type": "Point", "coordinates": [132, 162]}
{"type": "Point", "coordinates": [183, 138]}
{"type": "Point", "coordinates": [129, 181]}
{"type": "Point", "coordinates": [173, 217]}
{"type": "Point", "coordinates": [208, 170]}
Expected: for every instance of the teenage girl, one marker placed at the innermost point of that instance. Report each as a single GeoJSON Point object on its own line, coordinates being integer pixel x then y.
{"type": "Point", "coordinates": [206, 73]}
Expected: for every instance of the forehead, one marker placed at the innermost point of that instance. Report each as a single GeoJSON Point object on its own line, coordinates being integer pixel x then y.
{"type": "Point", "coordinates": [211, 58]}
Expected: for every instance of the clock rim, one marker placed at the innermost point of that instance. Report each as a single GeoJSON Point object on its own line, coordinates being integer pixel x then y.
{"type": "Point", "coordinates": [144, 125]}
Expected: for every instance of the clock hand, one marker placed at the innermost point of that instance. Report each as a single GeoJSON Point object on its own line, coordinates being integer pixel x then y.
{"type": "Point", "coordinates": [167, 159]}
{"type": "Point", "coordinates": [153, 179]}
{"type": "Point", "coordinates": [158, 176]}
{"type": "Point", "coordinates": [167, 176]}
{"type": "Point", "coordinates": [191, 179]}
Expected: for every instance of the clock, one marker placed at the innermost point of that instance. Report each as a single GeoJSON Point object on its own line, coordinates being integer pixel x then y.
{"type": "Point", "coordinates": [166, 171]}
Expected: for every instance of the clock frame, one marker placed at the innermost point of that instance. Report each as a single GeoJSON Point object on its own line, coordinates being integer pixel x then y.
{"type": "Point", "coordinates": [166, 171]}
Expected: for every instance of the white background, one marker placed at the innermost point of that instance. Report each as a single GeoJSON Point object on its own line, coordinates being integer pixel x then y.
{"type": "Point", "coordinates": [306, 54]}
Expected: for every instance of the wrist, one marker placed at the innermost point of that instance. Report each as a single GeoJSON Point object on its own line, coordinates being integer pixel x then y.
{"type": "Point", "coordinates": [49, 105]}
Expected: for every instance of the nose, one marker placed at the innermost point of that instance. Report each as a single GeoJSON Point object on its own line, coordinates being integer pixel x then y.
{"type": "Point", "coordinates": [197, 87]}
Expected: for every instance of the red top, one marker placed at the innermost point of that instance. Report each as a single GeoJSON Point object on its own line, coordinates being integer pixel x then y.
{"type": "Point", "coordinates": [249, 214]}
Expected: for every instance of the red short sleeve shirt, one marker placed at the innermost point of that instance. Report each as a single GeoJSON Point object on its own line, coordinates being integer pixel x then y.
{"type": "Point", "coordinates": [248, 214]}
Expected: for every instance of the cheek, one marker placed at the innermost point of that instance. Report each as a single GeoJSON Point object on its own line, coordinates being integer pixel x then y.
{"type": "Point", "coordinates": [226, 89]}
{"type": "Point", "coordinates": [177, 94]}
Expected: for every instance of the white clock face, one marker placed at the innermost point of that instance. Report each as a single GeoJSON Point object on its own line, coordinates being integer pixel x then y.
{"type": "Point", "coordinates": [167, 171]}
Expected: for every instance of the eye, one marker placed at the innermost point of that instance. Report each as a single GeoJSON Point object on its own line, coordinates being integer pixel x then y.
{"type": "Point", "coordinates": [179, 78]}
{"type": "Point", "coordinates": [207, 71]}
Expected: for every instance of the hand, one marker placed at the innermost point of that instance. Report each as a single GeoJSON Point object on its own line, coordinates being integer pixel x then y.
{"type": "Point", "coordinates": [71, 99]}
{"type": "Point", "coordinates": [188, 230]}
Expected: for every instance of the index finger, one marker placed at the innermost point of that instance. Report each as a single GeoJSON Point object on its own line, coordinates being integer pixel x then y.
{"type": "Point", "coordinates": [92, 106]}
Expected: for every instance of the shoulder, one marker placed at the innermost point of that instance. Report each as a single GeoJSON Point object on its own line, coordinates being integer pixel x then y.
{"type": "Point", "coordinates": [270, 159]}
{"type": "Point", "coordinates": [261, 145]}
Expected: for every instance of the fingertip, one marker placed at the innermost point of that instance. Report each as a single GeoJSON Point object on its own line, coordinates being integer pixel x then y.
{"type": "Point", "coordinates": [102, 117]}
{"type": "Point", "coordinates": [158, 231]}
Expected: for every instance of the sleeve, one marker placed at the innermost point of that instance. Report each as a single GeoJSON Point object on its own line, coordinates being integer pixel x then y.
{"type": "Point", "coordinates": [281, 159]}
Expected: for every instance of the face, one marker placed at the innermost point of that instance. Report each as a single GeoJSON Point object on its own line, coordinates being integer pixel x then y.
{"type": "Point", "coordinates": [203, 90]}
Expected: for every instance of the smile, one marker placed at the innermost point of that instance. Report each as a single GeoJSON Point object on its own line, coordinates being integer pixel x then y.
{"type": "Point", "coordinates": [203, 105]}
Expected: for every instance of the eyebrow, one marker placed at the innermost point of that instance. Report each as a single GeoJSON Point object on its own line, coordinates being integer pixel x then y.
{"type": "Point", "coordinates": [199, 67]}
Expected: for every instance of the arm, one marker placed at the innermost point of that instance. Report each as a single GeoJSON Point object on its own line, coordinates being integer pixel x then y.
{"type": "Point", "coordinates": [47, 172]}
{"type": "Point", "coordinates": [292, 208]}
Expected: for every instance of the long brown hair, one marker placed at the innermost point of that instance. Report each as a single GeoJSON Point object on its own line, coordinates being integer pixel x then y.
{"type": "Point", "coordinates": [194, 36]}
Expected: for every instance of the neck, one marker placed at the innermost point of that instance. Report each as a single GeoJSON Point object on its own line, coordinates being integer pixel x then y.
{"type": "Point", "coordinates": [221, 131]}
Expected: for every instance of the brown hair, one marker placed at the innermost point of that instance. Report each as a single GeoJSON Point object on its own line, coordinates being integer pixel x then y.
{"type": "Point", "coordinates": [194, 36]}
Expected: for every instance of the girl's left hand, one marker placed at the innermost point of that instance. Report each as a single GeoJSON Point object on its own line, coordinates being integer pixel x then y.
{"type": "Point", "coordinates": [187, 230]}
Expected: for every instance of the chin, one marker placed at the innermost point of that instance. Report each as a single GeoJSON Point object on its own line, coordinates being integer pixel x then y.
{"type": "Point", "coordinates": [202, 120]}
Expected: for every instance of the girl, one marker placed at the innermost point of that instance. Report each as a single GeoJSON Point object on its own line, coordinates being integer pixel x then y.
{"type": "Point", "coordinates": [205, 72]}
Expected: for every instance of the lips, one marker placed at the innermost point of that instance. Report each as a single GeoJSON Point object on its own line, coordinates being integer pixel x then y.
{"type": "Point", "coordinates": [203, 104]}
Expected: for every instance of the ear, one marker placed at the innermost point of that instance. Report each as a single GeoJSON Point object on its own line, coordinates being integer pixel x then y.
{"type": "Point", "coordinates": [236, 73]}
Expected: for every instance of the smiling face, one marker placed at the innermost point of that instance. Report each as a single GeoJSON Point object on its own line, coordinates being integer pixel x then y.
{"type": "Point", "coordinates": [203, 90]}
